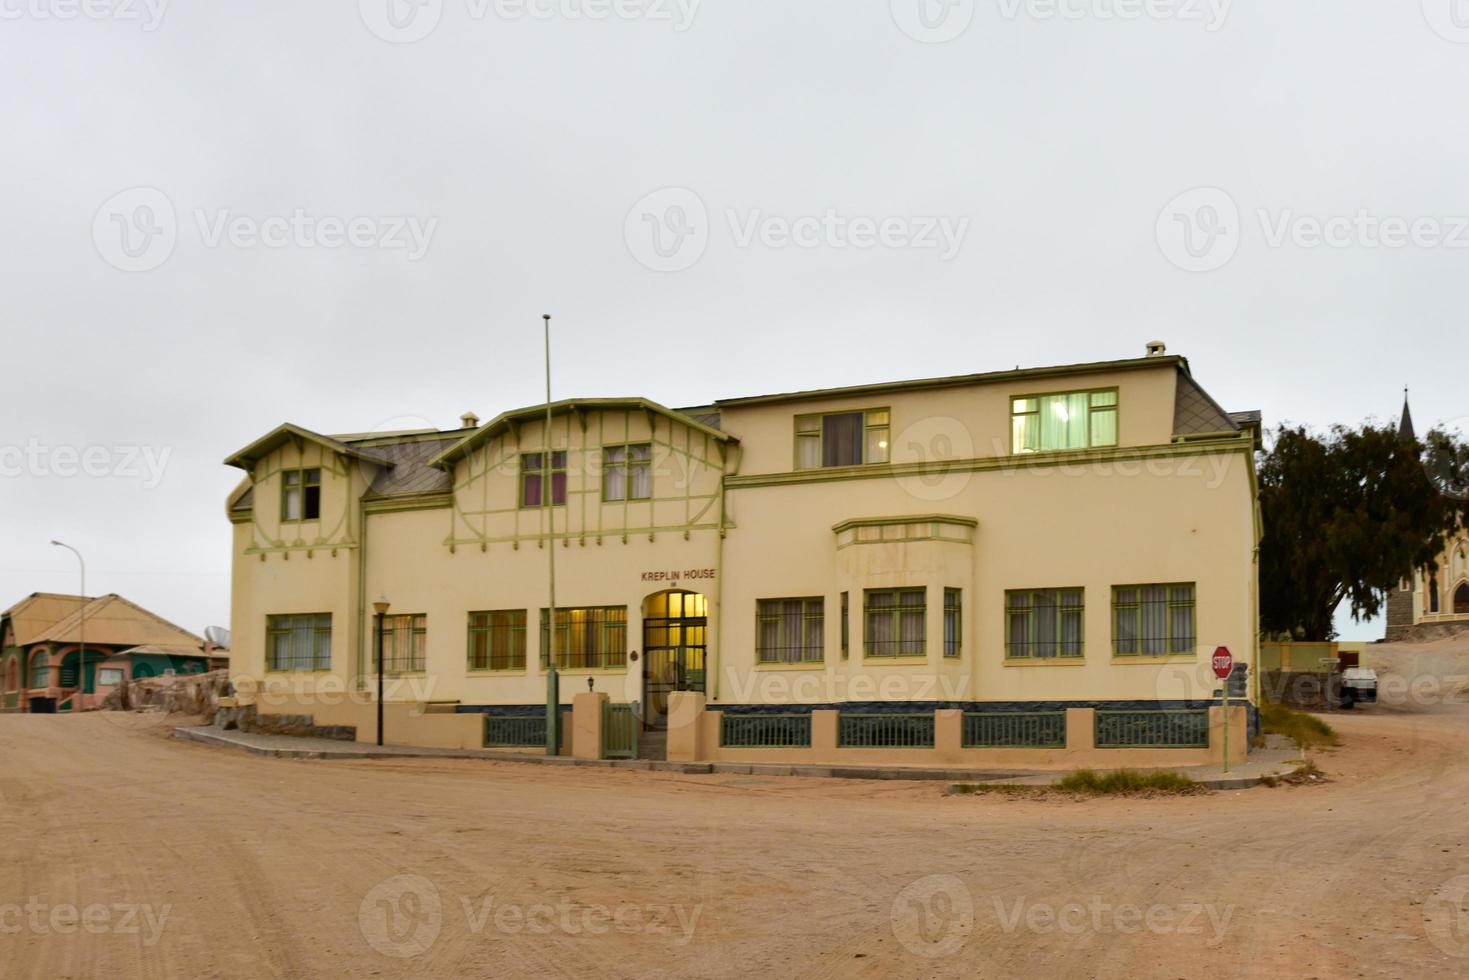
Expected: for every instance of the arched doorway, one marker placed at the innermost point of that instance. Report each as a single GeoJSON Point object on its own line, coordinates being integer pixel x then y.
{"type": "Point", "coordinates": [1461, 599]}
{"type": "Point", "coordinates": [675, 640]}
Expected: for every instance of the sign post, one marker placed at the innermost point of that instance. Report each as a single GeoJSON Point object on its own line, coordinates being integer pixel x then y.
{"type": "Point", "coordinates": [1223, 667]}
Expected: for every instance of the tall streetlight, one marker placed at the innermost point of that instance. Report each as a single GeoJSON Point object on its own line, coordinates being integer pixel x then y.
{"type": "Point", "coordinates": [76, 701]}
{"type": "Point", "coordinates": [381, 608]}
{"type": "Point", "coordinates": [548, 492]}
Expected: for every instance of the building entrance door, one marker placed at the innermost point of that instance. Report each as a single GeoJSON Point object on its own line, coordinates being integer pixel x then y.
{"type": "Point", "coordinates": [675, 639]}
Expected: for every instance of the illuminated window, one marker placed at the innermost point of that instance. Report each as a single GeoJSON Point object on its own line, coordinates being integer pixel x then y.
{"type": "Point", "coordinates": [588, 639]}
{"type": "Point", "coordinates": [842, 439]}
{"type": "Point", "coordinates": [1074, 420]}
{"type": "Point", "coordinates": [497, 640]}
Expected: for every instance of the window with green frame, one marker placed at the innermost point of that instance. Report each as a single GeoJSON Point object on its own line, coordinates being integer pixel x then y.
{"type": "Point", "coordinates": [1044, 624]}
{"type": "Point", "coordinates": [842, 439]}
{"type": "Point", "coordinates": [627, 472]}
{"type": "Point", "coordinates": [590, 638]}
{"type": "Point", "coordinates": [895, 623]}
{"type": "Point", "coordinates": [533, 478]}
{"type": "Point", "coordinates": [404, 644]}
{"type": "Point", "coordinates": [497, 640]}
{"type": "Point", "coordinates": [846, 630]}
{"type": "Point", "coordinates": [1154, 620]}
{"type": "Point", "coordinates": [300, 641]}
{"type": "Point", "coordinates": [790, 631]}
{"type": "Point", "coordinates": [953, 624]}
{"type": "Point", "coordinates": [1070, 420]}
{"type": "Point", "coordinates": [301, 495]}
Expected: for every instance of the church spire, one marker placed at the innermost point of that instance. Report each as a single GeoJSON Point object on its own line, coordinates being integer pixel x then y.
{"type": "Point", "coordinates": [1405, 425]}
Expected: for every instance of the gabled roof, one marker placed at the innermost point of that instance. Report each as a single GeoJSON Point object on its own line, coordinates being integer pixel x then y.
{"type": "Point", "coordinates": [246, 458]}
{"type": "Point", "coordinates": [532, 413]}
{"type": "Point", "coordinates": [38, 612]}
{"type": "Point", "coordinates": [114, 621]}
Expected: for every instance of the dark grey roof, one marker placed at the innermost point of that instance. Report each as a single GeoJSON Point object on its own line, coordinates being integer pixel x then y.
{"type": "Point", "coordinates": [1405, 425]}
{"type": "Point", "coordinates": [1195, 413]}
{"type": "Point", "coordinates": [246, 501]}
{"type": "Point", "coordinates": [1243, 419]}
{"type": "Point", "coordinates": [411, 474]}
{"type": "Point", "coordinates": [707, 414]}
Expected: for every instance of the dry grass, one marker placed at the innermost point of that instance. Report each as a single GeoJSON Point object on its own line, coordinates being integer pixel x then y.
{"type": "Point", "coordinates": [1089, 783]}
{"type": "Point", "coordinates": [1307, 731]}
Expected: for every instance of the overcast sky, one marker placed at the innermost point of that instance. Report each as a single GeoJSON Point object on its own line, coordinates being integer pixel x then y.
{"type": "Point", "coordinates": [219, 217]}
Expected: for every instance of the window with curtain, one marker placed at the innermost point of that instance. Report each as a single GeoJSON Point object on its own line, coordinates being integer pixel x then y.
{"type": "Point", "coordinates": [1044, 624]}
{"type": "Point", "coordinates": [533, 478]}
{"type": "Point", "coordinates": [298, 642]}
{"type": "Point", "coordinates": [790, 631]}
{"type": "Point", "coordinates": [301, 495]}
{"type": "Point", "coordinates": [1153, 620]}
{"type": "Point", "coordinates": [497, 640]}
{"type": "Point", "coordinates": [842, 439]}
{"type": "Point", "coordinates": [846, 630]}
{"type": "Point", "coordinates": [591, 638]}
{"type": "Point", "coordinates": [1073, 420]}
{"type": "Point", "coordinates": [953, 624]}
{"type": "Point", "coordinates": [627, 472]}
{"type": "Point", "coordinates": [895, 622]}
{"type": "Point", "coordinates": [40, 671]}
{"type": "Point", "coordinates": [404, 643]}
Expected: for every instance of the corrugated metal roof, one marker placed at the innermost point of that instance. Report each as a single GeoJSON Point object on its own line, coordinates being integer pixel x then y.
{"type": "Point", "coordinates": [114, 621]}
{"type": "Point", "coordinates": [39, 611]}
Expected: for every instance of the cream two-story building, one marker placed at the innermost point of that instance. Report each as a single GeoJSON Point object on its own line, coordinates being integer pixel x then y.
{"type": "Point", "coordinates": [1029, 566]}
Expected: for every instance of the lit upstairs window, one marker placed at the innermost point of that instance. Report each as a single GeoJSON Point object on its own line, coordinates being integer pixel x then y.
{"type": "Point", "coordinates": [1071, 420]}
{"type": "Point", "coordinates": [842, 439]}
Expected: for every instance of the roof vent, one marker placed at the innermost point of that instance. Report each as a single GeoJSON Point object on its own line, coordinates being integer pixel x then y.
{"type": "Point", "coordinates": [469, 420]}
{"type": "Point", "coordinates": [1156, 348]}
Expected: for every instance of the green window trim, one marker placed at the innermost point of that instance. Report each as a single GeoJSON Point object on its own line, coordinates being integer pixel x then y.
{"type": "Point", "coordinates": [790, 631]}
{"type": "Point", "coordinates": [627, 472]}
{"type": "Point", "coordinates": [300, 495]}
{"type": "Point", "coordinates": [894, 623]}
{"type": "Point", "coordinates": [1155, 620]}
{"type": "Point", "coordinates": [496, 640]}
{"type": "Point", "coordinates": [533, 474]}
{"type": "Point", "coordinates": [298, 642]}
{"type": "Point", "coordinates": [953, 624]}
{"type": "Point", "coordinates": [846, 628]}
{"type": "Point", "coordinates": [816, 449]}
{"type": "Point", "coordinates": [587, 637]}
{"type": "Point", "coordinates": [404, 643]}
{"type": "Point", "coordinates": [1045, 624]}
{"type": "Point", "coordinates": [1064, 420]}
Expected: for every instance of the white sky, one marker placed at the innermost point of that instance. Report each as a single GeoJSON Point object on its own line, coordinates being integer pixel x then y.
{"type": "Point", "coordinates": [523, 143]}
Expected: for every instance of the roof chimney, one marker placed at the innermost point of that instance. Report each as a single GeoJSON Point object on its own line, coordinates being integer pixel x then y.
{"type": "Point", "coordinates": [1156, 348]}
{"type": "Point", "coordinates": [469, 420]}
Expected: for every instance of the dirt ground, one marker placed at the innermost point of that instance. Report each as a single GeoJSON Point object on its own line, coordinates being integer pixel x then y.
{"type": "Point", "coordinates": [130, 853]}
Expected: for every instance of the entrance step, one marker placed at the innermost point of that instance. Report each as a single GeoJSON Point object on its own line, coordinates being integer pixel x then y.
{"type": "Point", "coordinates": [653, 744]}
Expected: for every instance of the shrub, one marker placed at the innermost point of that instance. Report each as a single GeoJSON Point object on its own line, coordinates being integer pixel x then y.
{"type": "Point", "coordinates": [1307, 731]}
{"type": "Point", "coordinates": [1127, 782]}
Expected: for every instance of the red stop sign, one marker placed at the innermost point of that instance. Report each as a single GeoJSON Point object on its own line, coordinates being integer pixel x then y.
{"type": "Point", "coordinates": [1223, 663]}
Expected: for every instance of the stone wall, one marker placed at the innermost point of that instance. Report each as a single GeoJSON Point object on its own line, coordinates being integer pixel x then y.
{"type": "Point", "coordinates": [1425, 632]}
{"type": "Point", "coordinates": [247, 719]}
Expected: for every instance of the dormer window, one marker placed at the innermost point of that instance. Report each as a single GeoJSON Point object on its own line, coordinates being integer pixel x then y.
{"type": "Point", "coordinates": [842, 439]}
{"type": "Point", "coordinates": [533, 479]}
{"type": "Point", "coordinates": [1068, 420]}
{"type": "Point", "coordinates": [301, 495]}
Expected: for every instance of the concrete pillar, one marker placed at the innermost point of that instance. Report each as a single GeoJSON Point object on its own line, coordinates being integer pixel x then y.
{"type": "Point", "coordinates": [685, 726]}
{"type": "Point", "coordinates": [587, 710]}
{"type": "Point", "coordinates": [824, 733]}
{"type": "Point", "coordinates": [948, 731]}
{"type": "Point", "coordinates": [1081, 729]}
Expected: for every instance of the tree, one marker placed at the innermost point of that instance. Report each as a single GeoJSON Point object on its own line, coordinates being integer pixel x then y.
{"type": "Point", "coordinates": [1346, 517]}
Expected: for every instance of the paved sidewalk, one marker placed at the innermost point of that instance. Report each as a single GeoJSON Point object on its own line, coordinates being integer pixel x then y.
{"type": "Point", "coordinates": [1276, 759]}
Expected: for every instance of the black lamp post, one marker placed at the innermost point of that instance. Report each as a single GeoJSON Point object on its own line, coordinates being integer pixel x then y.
{"type": "Point", "coordinates": [381, 608]}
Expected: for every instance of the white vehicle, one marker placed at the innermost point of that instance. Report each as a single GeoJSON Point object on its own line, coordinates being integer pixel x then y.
{"type": "Point", "coordinates": [1358, 684]}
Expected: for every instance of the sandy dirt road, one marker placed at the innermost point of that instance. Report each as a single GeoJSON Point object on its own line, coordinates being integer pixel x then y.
{"type": "Point", "coordinates": [130, 853]}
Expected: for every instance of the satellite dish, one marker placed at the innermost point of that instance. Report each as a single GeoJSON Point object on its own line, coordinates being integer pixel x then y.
{"type": "Point", "coordinates": [217, 636]}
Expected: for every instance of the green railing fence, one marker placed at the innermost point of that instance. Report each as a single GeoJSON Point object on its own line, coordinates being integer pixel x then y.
{"type": "Point", "coordinates": [502, 732]}
{"type": "Point", "coordinates": [1181, 729]}
{"type": "Point", "coordinates": [1015, 729]}
{"type": "Point", "coordinates": [856, 731]}
{"type": "Point", "coordinates": [765, 731]}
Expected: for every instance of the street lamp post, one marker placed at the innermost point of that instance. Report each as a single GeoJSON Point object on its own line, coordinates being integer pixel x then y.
{"type": "Point", "coordinates": [381, 608]}
{"type": "Point", "coordinates": [76, 699]}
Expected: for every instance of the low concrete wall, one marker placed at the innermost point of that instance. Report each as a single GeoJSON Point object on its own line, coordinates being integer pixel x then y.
{"type": "Point", "coordinates": [1307, 691]}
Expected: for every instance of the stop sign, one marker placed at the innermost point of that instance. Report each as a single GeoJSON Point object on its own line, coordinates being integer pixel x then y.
{"type": "Point", "coordinates": [1223, 663]}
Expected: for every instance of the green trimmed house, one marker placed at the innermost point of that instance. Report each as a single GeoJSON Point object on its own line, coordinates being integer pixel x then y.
{"type": "Point", "coordinates": [45, 635]}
